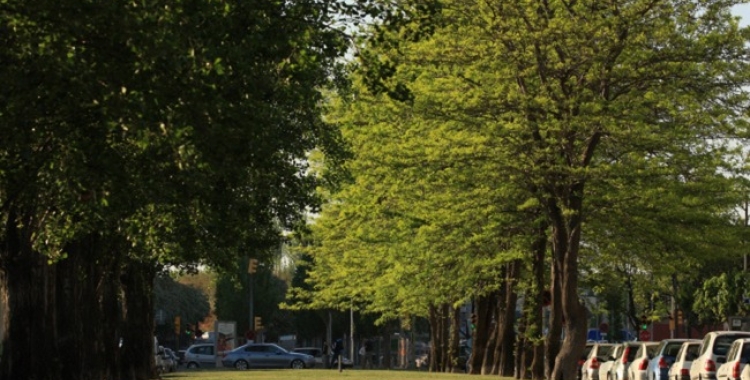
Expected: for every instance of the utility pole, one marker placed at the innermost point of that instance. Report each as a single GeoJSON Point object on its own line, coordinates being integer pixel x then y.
{"type": "Point", "coordinates": [252, 267]}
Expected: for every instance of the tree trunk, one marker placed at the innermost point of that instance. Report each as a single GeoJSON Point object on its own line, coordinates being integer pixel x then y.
{"type": "Point", "coordinates": [454, 338]}
{"type": "Point", "coordinates": [555, 321]}
{"type": "Point", "coordinates": [29, 327]}
{"type": "Point", "coordinates": [566, 237]}
{"type": "Point", "coordinates": [535, 312]}
{"type": "Point", "coordinates": [506, 311]}
{"type": "Point", "coordinates": [137, 351]}
{"type": "Point", "coordinates": [488, 364]}
{"type": "Point", "coordinates": [480, 334]}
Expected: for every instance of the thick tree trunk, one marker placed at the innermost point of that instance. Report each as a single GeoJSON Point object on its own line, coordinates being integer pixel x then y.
{"type": "Point", "coordinates": [506, 311]}
{"type": "Point", "coordinates": [489, 355]}
{"type": "Point", "coordinates": [535, 312]}
{"type": "Point", "coordinates": [554, 334]}
{"type": "Point", "coordinates": [480, 334]}
{"type": "Point", "coordinates": [566, 237]}
{"type": "Point", "coordinates": [137, 356]}
{"type": "Point", "coordinates": [30, 348]}
{"type": "Point", "coordinates": [454, 338]}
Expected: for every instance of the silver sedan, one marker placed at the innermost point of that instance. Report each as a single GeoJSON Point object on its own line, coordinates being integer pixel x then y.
{"type": "Point", "coordinates": [266, 355]}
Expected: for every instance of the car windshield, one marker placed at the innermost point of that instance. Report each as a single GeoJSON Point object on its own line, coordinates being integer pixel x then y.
{"type": "Point", "coordinates": [722, 343]}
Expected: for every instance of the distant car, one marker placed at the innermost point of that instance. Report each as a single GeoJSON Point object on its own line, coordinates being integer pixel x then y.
{"type": "Point", "coordinates": [317, 353]}
{"type": "Point", "coordinates": [266, 355]}
{"type": "Point", "coordinates": [584, 356]}
{"type": "Point", "coordinates": [658, 367]}
{"type": "Point", "coordinates": [713, 352]}
{"type": "Point", "coordinates": [736, 366]}
{"type": "Point", "coordinates": [619, 370]}
{"type": "Point", "coordinates": [638, 369]}
{"type": "Point", "coordinates": [680, 369]}
{"type": "Point", "coordinates": [200, 355]}
{"type": "Point", "coordinates": [606, 365]}
{"type": "Point", "coordinates": [597, 355]}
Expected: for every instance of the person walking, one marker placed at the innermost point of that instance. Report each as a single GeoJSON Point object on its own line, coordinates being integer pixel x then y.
{"type": "Point", "coordinates": [367, 351]}
{"type": "Point", "coordinates": [338, 349]}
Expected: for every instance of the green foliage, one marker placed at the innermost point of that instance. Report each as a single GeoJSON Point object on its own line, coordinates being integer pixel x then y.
{"type": "Point", "coordinates": [721, 297]}
{"type": "Point", "coordinates": [614, 122]}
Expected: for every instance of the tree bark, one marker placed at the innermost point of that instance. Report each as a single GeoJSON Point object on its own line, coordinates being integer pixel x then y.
{"type": "Point", "coordinates": [535, 312]}
{"type": "Point", "coordinates": [137, 352]}
{"type": "Point", "coordinates": [29, 327]}
{"type": "Point", "coordinates": [480, 334]}
{"type": "Point", "coordinates": [566, 237]}
{"type": "Point", "coordinates": [506, 315]}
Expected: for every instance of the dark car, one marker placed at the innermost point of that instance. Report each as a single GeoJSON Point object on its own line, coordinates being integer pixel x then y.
{"type": "Point", "coordinates": [266, 355]}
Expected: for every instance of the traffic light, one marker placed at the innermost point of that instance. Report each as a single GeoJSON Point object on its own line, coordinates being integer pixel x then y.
{"type": "Point", "coordinates": [177, 325]}
{"type": "Point", "coordinates": [258, 323]}
{"type": "Point", "coordinates": [473, 324]}
{"type": "Point", "coordinates": [252, 266]}
{"type": "Point", "coordinates": [189, 330]}
{"type": "Point", "coordinates": [644, 322]}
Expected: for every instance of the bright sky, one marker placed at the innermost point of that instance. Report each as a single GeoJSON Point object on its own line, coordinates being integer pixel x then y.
{"type": "Point", "coordinates": [744, 12]}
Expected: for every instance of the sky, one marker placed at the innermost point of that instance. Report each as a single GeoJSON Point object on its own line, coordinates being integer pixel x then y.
{"type": "Point", "coordinates": [744, 12]}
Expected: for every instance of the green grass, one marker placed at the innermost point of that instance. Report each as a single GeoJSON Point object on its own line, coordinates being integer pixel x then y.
{"type": "Point", "coordinates": [310, 374]}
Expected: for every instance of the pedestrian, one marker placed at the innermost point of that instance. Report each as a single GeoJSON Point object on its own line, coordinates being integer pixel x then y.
{"type": "Point", "coordinates": [363, 356]}
{"type": "Point", "coordinates": [326, 353]}
{"type": "Point", "coordinates": [338, 349]}
{"type": "Point", "coordinates": [368, 352]}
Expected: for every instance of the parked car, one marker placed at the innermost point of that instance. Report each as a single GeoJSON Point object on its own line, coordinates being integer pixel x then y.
{"type": "Point", "coordinates": [638, 368]}
{"type": "Point", "coordinates": [713, 351]}
{"type": "Point", "coordinates": [606, 365]}
{"type": "Point", "coordinates": [658, 367]}
{"type": "Point", "coordinates": [200, 355]}
{"type": "Point", "coordinates": [598, 354]}
{"type": "Point", "coordinates": [584, 355]}
{"type": "Point", "coordinates": [736, 366]}
{"type": "Point", "coordinates": [317, 353]}
{"type": "Point", "coordinates": [680, 369]}
{"type": "Point", "coordinates": [266, 355]}
{"type": "Point", "coordinates": [619, 370]}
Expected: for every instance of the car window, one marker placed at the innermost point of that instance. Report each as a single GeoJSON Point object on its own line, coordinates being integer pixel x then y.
{"type": "Point", "coordinates": [722, 343]}
{"type": "Point", "coordinates": [692, 351]}
{"type": "Point", "coordinates": [651, 350]}
{"type": "Point", "coordinates": [631, 353]}
{"type": "Point", "coordinates": [672, 349]}
{"type": "Point", "coordinates": [704, 344]}
{"type": "Point", "coordinates": [604, 351]}
{"type": "Point", "coordinates": [745, 357]}
{"type": "Point", "coordinates": [254, 349]}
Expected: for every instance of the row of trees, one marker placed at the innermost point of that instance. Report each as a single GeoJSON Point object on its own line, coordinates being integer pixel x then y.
{"type": "Point", "coordinates": [504, 148]}
{"type": "Point", "coordinates": [140, 135]}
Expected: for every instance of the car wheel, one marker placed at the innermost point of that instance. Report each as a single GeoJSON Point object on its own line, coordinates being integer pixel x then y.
{"type": "Point", "coordinates": [192, 365]}
{"type": "Point", "coordinates": [298, 364]}
{"type": "Point", "coordinates": [241, 364]}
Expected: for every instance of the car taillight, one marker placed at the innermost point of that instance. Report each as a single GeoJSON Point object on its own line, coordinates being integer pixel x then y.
{"type": "Point", "coordinates": [684, 372]}
{"type": "Point", "coordinates": [736, 370]}
{"type": "Point", "coordinates": [643, 366]}
{"type": "Point", "coordinates": [625, 356]}
{"type": "Point", "coordinates": [663, 363]}
{"type": "Point", "coordinates": [594, 364]}
{"type": "Point", "coordinates": [710, 366]}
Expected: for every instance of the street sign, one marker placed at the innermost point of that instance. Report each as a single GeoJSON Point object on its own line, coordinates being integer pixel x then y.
{"type": "Point", "coordinates": [644, 336]}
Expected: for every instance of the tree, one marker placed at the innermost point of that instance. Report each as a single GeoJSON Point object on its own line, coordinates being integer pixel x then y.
{"type": "Point", "coordinates": [142, 135]}
{"type": "Point", "coordinates": [575, 98]}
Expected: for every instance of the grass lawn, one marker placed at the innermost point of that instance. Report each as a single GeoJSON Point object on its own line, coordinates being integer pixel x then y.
{"type": "Point", "coordinates": [310, 374]}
